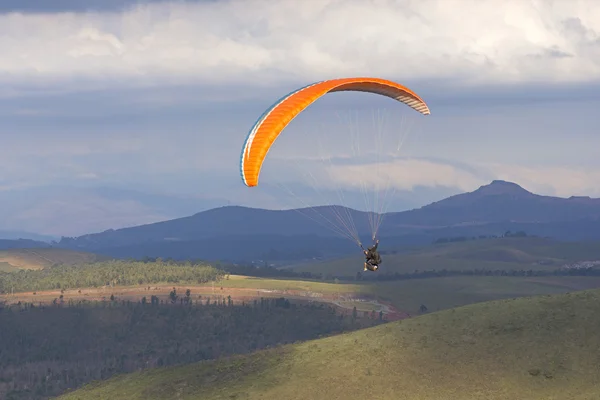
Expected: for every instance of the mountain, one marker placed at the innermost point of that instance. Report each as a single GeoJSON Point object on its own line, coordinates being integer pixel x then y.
{"type": "Point", "coordinates": [237, 233]}
{"type": "Point", "coordinates": [501, 201]}
{"type": "Point", "coordinates": [228, 220]}
{"type": "Point", "coordinates": [6, 244]}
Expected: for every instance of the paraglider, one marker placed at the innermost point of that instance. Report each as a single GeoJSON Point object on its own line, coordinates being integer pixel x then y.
{"type": "Point", "coordinates": [373, 259]}
{"type": "Point", "coordinates": [274, 120]}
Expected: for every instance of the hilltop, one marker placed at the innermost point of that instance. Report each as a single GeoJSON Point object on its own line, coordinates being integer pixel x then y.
{"type": "Point", "coordinates": [529, 348]}
{"type": "Point", "coordinates": [242, 234]}
{"type": "Point", "coordinates": [502, 201]}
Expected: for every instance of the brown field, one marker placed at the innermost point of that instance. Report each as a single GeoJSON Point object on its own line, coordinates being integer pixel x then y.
{"type": "Point", "coordinates": [341, 301]}
{"type": "Point", "coordinates": [43, 258]}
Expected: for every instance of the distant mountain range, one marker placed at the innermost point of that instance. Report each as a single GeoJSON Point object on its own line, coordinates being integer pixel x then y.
{"type": "Point", "coordinates": [53, 210]}
{"type": "Point", "coordinates": [6, 244]}
{"type": "Point", "coordinates": [236, 233]}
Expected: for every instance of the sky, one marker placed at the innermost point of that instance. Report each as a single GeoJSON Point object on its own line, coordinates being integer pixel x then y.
{"type": "Point", "coordinates": [107, 103]}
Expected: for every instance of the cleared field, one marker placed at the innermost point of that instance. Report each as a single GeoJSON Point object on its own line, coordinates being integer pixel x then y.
{"type": "Point", "coordinates": [408, 296]}
{"type": "Point", "coordinates": [42, 258]}
{"type": "Point", "coordinates": [484, 254]}
{"type": "Point", "coordinates": [529, 348]}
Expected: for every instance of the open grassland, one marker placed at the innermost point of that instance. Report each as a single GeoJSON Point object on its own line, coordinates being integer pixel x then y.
{"type": "Point", "coordinates": [537, 348]}
{"type": "Point", "coordinates": [6, 267]}
{"type": "Point", "coordinates": [482, 254]}
{"type": "Point", "coordinates": [42, 258]}
{"type": "Point", "coordinates": [434, 293]}
{"type": "Point", "coordinates": [443, 293]}
{"type": "Point", "coordinates": [247, 282]}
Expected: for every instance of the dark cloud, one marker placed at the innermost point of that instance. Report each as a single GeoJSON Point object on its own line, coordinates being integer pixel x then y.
{"type": "Point", "coordinates": [55, 6]}
{"type": "Point", "coordinates": [553, 52]}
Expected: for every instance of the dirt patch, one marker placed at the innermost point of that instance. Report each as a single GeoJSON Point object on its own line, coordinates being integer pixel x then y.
{"type": "Point", "coordinates": [343, 302]}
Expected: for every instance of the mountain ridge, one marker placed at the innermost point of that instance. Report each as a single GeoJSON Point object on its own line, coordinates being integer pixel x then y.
{"type": "Point", "coordinates": [238, 232]}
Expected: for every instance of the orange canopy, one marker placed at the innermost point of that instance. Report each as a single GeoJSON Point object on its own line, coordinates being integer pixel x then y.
{"type": "Point", "coordinates": [268, 127]}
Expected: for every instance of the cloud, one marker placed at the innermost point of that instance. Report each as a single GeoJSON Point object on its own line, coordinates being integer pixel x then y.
{"type": "Point", "coordinates": [261, 42]}
{"type": "Point", "coordinates": [553, 180]}
{"type": "Point", "coordinates": [44, 6]}
{"type": "Point", "coordinates": [154, 95]}
{"type": "Point", "coordinates": [408, 174]}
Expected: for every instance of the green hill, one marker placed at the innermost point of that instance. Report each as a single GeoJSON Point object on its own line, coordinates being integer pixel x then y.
{"type": "Point", "coordinates": [530, 348]}
{"type": "Point", "coordinates": [14, 259]}
{"type": "Point", "coordinates": [485, 254]}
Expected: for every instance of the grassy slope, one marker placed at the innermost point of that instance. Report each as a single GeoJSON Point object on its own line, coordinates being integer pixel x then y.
{"type": "Point", "coordinates": [444, 293]}
{"type": "Point", "coordinates": [42, 258]}
{"type": "Point", "coordinates": [529, 348]}
{"type": "Point", "coordinates": [489, 254]}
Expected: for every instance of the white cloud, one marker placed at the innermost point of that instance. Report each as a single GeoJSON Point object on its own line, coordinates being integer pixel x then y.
{"type": "Point", "coordinates": [553, 180]}
{"type": "Point", "coordinates": [264, 41]}
{"type": "Point", "coordinates": [404, 174]}
{"type": "Point", "coordinates": [408, 174]}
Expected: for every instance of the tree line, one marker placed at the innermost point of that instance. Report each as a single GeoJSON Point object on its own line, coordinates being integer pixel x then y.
{"type": "Point", "coordinates": [131, 272]}
{"type": "Point", "coordinates": [108, 273]}
{"type": "Point", "coordinates": [507, 234]}
{"type": "Point", "coordinates": [45, 350]}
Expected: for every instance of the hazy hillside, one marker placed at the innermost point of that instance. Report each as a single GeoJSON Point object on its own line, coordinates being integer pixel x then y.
{"type": "Point", "coordinates": [490, 210]}
{"type": "Point", "coordinates": [267, 248]}
{"type": "Point", "coordinates": [22, 244]}
{"type": "Point", "coordinates": [508, 253]}
{"type": "Point", "coordinates": [530, 348]}
{"type": "Point", "coordinates": [38, 258]}
{"type": "Point", "coordinates": [15, 235]}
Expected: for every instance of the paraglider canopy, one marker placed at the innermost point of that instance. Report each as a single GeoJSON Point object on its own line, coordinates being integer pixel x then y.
{"type": "Point", "coordinates": [268, 127]}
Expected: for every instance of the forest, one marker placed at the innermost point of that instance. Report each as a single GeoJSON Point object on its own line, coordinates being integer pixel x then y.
{"type": "Point", "coordinates": [45, 350]}
{"type": "Point", "coordinates": [108, 273]}
{"type": "Point", "coordinates": [131, 272]}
